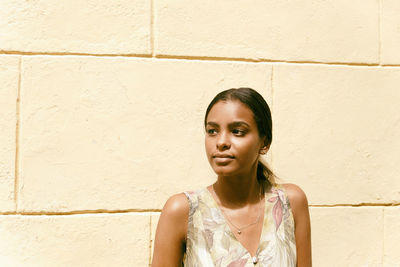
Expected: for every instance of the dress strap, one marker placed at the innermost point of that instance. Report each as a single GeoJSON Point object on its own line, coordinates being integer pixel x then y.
{"type": "Point", "coordinates": [193, 200]}
{"type": "Point", "coordinates": [285, 199]}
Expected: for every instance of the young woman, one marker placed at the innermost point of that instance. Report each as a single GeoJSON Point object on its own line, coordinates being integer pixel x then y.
{"type": "Point", "coordinates": [245, 218]}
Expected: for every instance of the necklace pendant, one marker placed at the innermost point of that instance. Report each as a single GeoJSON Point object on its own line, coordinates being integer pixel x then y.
{"type": "Point", "coordinates": [255, 259]}
{"type": "Point", "coordinates": [239, 232]}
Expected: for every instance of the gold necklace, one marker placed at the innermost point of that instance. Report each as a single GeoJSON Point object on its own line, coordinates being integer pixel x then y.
{"type": "Point", "coordinates": [239, 229]}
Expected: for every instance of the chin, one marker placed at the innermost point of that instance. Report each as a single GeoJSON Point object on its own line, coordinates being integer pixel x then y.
{"type": "Point", "coordinates": [224, 171]}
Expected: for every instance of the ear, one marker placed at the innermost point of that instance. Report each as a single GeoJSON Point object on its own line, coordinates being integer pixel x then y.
{"type": "Point", "coordinates": [264, 149]}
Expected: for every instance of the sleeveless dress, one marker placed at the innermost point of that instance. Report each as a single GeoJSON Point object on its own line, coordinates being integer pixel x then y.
{"type": "Point", "coordinates": [210, 242]}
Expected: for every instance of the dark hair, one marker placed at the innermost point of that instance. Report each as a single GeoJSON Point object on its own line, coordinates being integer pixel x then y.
{"type": "Point", "coordinates": [262, 116]}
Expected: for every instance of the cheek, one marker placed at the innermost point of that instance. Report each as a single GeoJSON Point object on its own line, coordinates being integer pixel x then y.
{"type": "Point", "coordinates": [208, 145]}
{"type": "Point", "coordinates": [249, 151]}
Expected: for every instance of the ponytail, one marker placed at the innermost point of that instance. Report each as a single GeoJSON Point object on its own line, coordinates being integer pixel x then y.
{"type": "Point", "coordinates": [265, 174]}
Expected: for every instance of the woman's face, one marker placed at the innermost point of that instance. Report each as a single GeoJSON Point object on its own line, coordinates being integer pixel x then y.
{"type": "Point", "coordinates": [232, 140]}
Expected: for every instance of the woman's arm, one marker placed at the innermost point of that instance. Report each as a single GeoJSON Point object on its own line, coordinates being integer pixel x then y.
{"type": "Point", "coordinates": [171, 232]}
{"type": "Point", "coordinates": [299, 205]}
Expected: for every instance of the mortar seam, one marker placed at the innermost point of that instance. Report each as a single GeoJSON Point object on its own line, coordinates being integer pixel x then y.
{"type": "Point", "coordinates": [152, 28]}
{"type": "Point", "coordinates": [150, 241]}
{"type": "Point", "coordinates": [383, 238]}
{"type": "Point", "coordinates": [25, 53]}
{"type": "Point", "coordinates": [17, 135]}
{"type": "Point", "coordinates": [356, 205]}
{"type": "Point", "coordinates": [251, 60]}
{"type": "Point", "coordinates": [80, 212]}
{"type": "Point", "coordinates": [216, 59]}
{"type": "Point", "coordinates": [151, 211]}
{"type": "Point", "coordinates": [380, 32]}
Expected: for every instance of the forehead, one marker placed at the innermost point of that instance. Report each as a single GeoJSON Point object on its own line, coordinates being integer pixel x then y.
{"type": "Point", "coordinates": [230, 111]}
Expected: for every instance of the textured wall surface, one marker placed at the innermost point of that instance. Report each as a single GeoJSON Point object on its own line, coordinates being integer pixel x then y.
{"type": "Point", "coordinates": [102, 105]}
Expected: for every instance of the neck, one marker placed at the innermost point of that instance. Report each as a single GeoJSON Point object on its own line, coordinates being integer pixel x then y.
{"type": "Point", "coordinates": [239, 190]}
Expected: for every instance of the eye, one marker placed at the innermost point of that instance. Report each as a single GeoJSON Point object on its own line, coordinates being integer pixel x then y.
{"type": "Point", "coordinates": [238, 132]}
{"type": "Point", "coordinates": [211, 131]}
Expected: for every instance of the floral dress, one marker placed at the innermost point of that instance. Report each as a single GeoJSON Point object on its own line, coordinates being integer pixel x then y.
{"type": "Point", "coordinates": [210, 242]}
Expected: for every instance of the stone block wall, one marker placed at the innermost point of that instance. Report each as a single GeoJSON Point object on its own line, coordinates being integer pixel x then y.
{"type": "Point", "coordinates": [102, 105]}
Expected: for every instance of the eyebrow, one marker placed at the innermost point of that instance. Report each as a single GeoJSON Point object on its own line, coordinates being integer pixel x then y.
{"type": "Point", "coordinates": [233, 124]}
{"type": "Point", "coordinates": [212, 124]}
{"type": "Point", "coordinates": [239, 123]}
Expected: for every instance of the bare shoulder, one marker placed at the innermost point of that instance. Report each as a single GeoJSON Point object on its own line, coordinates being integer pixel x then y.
{"type": "Point", "coordinates": [299, 206]}
{"type": "Point", "coordinates": [171, 232]}
{"type": "Point", "coordinates": [176, 207]}
{"type": "Point", "coordinates": [297, 197]}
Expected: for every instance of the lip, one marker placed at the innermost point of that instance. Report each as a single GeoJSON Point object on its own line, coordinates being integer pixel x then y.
{"type": "Point", "coordinates": [222, 159]}
{"type": "Point", "coordinates": [223, 156]}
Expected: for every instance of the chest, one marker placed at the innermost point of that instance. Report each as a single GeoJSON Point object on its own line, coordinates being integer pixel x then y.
{"type": "Point", "coordinates": [212, 241]}
{"type": "Point", "coordinates": [246, 225]}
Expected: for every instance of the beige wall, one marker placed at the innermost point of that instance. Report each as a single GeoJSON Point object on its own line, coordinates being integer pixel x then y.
{"type": "Point", "coordinates": [102, 104]}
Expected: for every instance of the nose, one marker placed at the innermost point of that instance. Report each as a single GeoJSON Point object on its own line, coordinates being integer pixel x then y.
{"type": "Point", "coordinates": [223, 142]}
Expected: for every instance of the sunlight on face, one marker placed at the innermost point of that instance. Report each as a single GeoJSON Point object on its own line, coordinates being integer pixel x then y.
{"type": "Point", "coordinates": [232, 140]}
